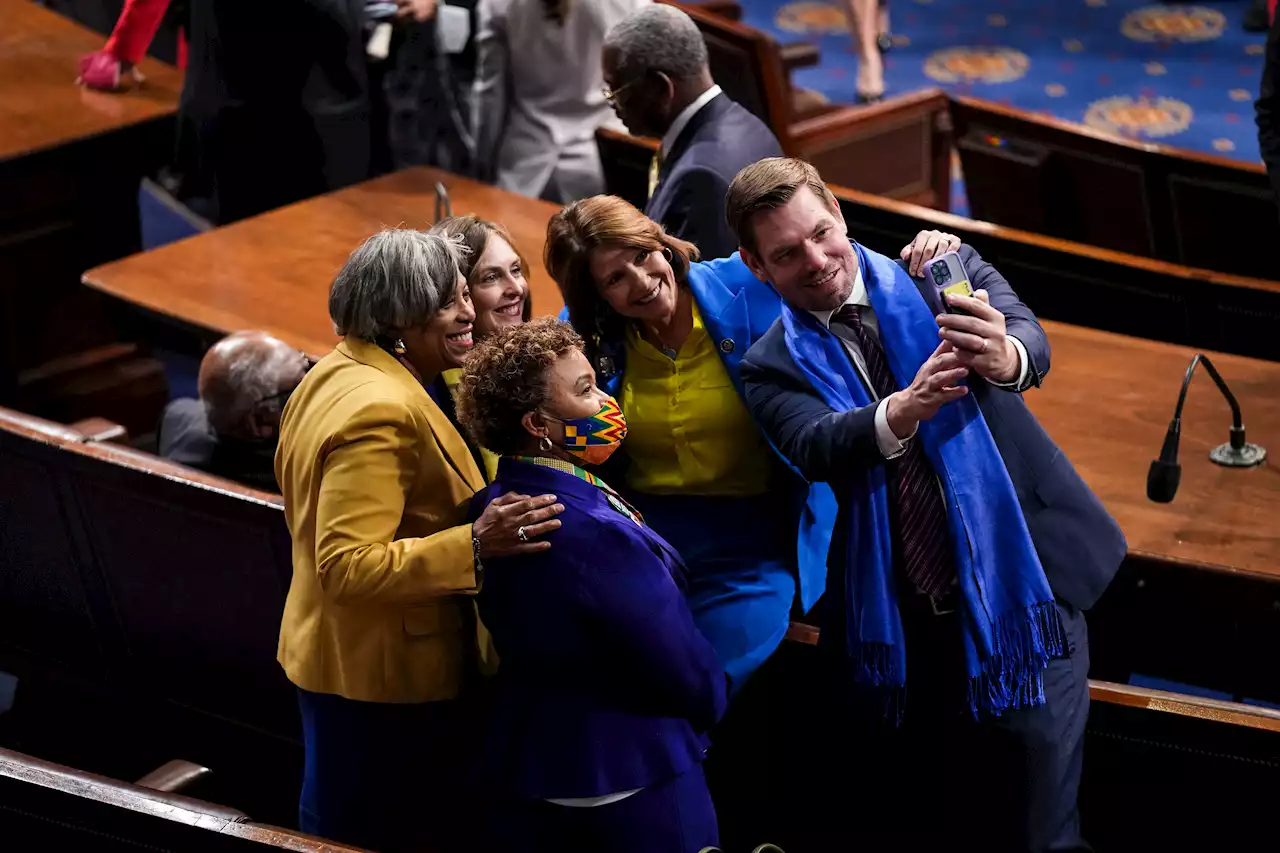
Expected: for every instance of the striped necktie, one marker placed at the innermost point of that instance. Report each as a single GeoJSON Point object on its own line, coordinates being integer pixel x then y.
{"type": "Point", "coordinates": [921, 536]}
{"type": "Point", "coordinates": [655, 167]}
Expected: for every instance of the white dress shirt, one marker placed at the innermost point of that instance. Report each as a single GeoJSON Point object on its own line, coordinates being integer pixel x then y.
{"type": "Point", "coordinates": [682, 120]}
{"type": "Point", "coordinates": [890, 445]}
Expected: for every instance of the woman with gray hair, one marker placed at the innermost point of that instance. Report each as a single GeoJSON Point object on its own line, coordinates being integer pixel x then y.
{"type": "Point", "coordinates": [379, 631]}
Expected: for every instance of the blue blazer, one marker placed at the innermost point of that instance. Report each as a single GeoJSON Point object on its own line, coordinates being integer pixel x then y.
{"type": "Point", "coordinates": [720, 140]}
{"type": "Point", "coordinates": [1079, 543]}
{"type": "Point", "coordinates": [737, 309]}
{"type": "Point", "coordinates": [604, 684]}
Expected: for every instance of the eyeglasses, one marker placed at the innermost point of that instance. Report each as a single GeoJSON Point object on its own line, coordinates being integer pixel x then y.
{"type": "Point", "coordinates": [611, 95]}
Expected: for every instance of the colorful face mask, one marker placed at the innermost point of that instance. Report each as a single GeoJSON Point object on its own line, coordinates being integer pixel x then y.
{"type": "Point", "coordinates": [594, 438]}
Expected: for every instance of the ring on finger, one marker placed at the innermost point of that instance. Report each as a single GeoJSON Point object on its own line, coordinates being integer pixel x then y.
{"type": "Point", "coordinates": [521, 534]}
{"type": "Point", "coordinates": [985, 342]}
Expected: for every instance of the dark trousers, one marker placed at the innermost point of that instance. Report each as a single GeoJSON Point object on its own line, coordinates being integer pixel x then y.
{"type": "Point", "coordinates": [670, 817]}
{"type": "Point", "coordinates": [382, 776]}
{"type": "Point", "coordinates": [944, 779]}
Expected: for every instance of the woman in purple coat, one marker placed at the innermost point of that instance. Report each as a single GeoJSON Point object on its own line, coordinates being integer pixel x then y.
{"type": "Point", "coordinates": [606, 689]}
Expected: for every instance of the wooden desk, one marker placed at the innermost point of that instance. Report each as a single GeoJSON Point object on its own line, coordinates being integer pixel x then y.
{"type": "Point", "coordinates": [40, 108]}
{"type": "Point", "coordinates": [1107, 402]}
{"type": "Point", "coordinates": [70, 162]}
{"type": "Point", "coordinates": [273, 271]}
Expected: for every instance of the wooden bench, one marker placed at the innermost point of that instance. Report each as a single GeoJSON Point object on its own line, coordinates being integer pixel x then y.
{"type": "Point", "coordinates": [151, 592]}
{"type": "Point", "coordinates": [70, 162]}
{"type": "Point", "coordinates": [1088, 286]}
{"type": "Point", "coordinates": [46, 806]}
{"type": "Point", "coordinates": [1053, 177]}
{"type": "Point", "coordinates": [1160, 767]}
{"type": "Point", "coordinates": [899, 148]}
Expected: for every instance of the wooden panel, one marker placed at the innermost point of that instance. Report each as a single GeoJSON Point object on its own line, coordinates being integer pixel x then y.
{"type": "Point", "coordinates": [1114, 192]}
{"type": "Point", "coordinates": [1089, 286]}
{"type": "Point", "coordinates": [272, 272]}
{"type": "Point", "coordinates": [70, 161]}
{"type": "Point", "coordinates": [52, 807]}
{"type": "Point", "coordinates": [45, 619]}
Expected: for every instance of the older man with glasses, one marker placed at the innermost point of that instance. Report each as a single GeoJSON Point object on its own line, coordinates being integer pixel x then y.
{"type": "Point", "coordinates": [231, 430]}
{"type": "Point", "coordinates": [658, 81]}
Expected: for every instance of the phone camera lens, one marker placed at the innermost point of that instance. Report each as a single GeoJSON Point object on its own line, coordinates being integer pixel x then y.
{"type": "Point", "coordinates": [940, 272]}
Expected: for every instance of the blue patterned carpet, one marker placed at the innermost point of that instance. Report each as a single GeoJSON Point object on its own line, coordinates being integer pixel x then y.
{"type": "Point", "coordinates": [1183, 75]}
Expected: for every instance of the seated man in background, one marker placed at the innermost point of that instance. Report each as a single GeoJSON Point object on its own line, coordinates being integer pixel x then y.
{"type": "Point", "coordinates": [659, 82]}
{"type": "Point", "coordinates": [231, 430]}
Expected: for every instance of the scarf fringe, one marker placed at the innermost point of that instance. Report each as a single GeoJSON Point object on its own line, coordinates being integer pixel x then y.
{"type": "Point", "coordinates": [1013, 676]}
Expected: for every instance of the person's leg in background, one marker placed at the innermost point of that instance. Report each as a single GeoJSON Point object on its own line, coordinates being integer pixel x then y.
{"type": "Point", "coordinates": [864, 21]}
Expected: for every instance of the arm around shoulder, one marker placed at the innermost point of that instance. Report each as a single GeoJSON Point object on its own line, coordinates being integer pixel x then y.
{"type": "Point", "coordinates": [370, 469]}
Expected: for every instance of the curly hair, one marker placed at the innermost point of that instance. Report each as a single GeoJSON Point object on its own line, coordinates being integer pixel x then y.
{"type": "Point", "coordinates": [505, 378]}
{"type": "Point", "coordinates": [592, 223]}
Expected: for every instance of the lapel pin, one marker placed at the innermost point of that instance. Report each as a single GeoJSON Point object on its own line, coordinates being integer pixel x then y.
{"type": "Point", "coordinates": [726, 345]}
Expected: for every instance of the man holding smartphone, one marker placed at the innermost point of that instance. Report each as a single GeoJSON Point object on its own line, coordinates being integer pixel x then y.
{"type": "Point", "coordinates": [965, 547]}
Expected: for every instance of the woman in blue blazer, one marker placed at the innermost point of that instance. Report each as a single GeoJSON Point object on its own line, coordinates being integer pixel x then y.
{"type": "Point", "coordinates": [666, 334]}
{"type": "Point", "coordinates": [606, 689]}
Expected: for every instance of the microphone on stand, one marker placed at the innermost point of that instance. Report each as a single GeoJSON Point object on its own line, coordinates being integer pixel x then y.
{"type": "Point", "coordinates": [1165, 472]}
{"type": "Point", "coordinates": [444, 207]}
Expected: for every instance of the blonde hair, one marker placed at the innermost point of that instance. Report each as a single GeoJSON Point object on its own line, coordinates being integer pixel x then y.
{"type": "Point", "coordinates": [603, 221]}
{"type": "Point", "coordinates": [768, 185]}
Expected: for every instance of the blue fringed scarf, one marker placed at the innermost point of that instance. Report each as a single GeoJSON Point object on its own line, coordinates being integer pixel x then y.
{"type": "Point", "coordinates": [1012, 626]}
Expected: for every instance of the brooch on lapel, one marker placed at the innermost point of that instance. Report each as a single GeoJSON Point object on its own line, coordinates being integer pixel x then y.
{"type": "Point", "coordinates": [726, 346]}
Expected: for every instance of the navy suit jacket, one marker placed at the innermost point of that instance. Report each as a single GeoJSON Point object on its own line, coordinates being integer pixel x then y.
{"type": "Point", "coordinates": [1079, 543]}
{"type": "Point", "coordinates": [720, 140]}
{"type": "Point", "coordinates": [604, 684]}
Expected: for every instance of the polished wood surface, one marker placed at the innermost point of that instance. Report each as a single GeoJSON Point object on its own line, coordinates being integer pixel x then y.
{"type": "Point", "coordinates": [40, 107]}
{"type": "Point", "coordinates": [81, 805]}
{"type": "Point", "coordinates": [273, 272]}
{"type": "Point", "coordinates": [1107, 402]}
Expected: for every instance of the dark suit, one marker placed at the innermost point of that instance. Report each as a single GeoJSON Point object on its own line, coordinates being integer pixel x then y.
{"type": "Point", "coordinates": [1079, 545]}
{"type": "Point", "coordinates": [1267, 108]}
{"type": "Point", "coordinates": [278, 96]}
{"type": "Point", "coordinates": [720, 140]}
{"type": "Point", "coordinates": [605, 684]}
{"type": "Point", "coordinates": [185, 437]}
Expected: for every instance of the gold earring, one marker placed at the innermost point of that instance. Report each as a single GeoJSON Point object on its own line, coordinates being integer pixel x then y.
{"type": "Point", "coordinates": [544, 444]}
{"type": "Point", "coordinates": [398, 346]}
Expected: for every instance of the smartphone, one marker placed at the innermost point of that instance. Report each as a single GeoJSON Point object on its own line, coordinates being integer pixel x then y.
{"type": "Point", "coordinates": [947, 275]}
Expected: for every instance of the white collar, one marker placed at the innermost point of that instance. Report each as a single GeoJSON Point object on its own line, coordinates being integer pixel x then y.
{"type": "Point", "coordinates": [682, 121]}
{"type": "Point", "coordinates": [857, 296]}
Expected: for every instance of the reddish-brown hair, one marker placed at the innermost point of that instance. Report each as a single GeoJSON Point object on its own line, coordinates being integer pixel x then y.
{"type": "Point", "coordinates": [603, 221]}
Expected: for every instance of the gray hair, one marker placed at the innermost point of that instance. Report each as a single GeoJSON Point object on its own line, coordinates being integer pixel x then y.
{"type": "Point", "coordinates": [397, 279]}
{"type": "Point", "coordinates": [658, 38]}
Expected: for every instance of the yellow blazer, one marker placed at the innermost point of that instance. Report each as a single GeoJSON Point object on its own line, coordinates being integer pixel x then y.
{"type": "Point", "coordinates": [375, 481]}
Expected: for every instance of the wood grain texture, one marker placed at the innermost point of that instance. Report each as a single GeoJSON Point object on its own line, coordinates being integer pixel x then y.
{"type": "Point", "coordinates": [1107, 402]}
{"type": "Point", "coordinates": [272, 272]}
{"type": "Point", "coordinates": [40, 105]}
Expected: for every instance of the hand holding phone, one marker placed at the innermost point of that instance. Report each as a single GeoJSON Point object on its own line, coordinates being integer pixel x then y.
{"type": "Point", "coordinates": [947, 275]}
